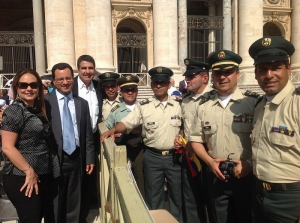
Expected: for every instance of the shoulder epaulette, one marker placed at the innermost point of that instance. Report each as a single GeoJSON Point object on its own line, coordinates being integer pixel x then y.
{"type": "Point", "coordinates": [188, 94]}
{"type": "Point", "coordinates": [145, 101]}
{"type": "Point", "coordinates": [258, 101]}
{"type": "Point", "coordinates": [252, 94]}
{"type": "Point", "coordinates": [115, 108]}
{"type": "Point", "coordinates": [178, 100]}
{"type": "Point", "coordinates": [207, 96]}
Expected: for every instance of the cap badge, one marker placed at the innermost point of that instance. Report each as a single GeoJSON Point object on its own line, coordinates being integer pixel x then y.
{"type": "Point", "coordinates": [186, 62]}
{"type": "Point", "coordinates": [159, 70]}
{"type": "Point", "coordinates": [266, 42]}
{"type": "Point", "coordinates": [107, 75]}
{"type": "Point", "coordinates": [128, 78]}
{"type": "Point", "coordinates": [221, 55]}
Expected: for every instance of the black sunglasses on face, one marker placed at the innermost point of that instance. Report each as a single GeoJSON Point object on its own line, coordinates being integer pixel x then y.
{"type": "Point", "coordinates": [24, 85]}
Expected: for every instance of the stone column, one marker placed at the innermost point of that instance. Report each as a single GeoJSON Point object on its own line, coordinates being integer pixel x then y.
{"type": "Point", "coordinates": [211, 36]}
{"type": "Point", "coordinates": [250, 28]}
{"type": "Point", "coordinates": [227, 31]}
{"type": "Point", "coordinates": [59, 32]}
{"type": "Point", "coordinates": [182, 33]}
{"type": "Point", "coordinates": [39, 42]}
{"type": "Point", "coordinates": [99, 33]}
{"type": "Point", "coordinates": [295, 35]}
{"type": "Point", "coordinates": [165, 30]}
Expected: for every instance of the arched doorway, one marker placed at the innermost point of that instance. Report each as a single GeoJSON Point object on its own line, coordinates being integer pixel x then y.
{"type": "Point", "coordinates": [271, 29]}
{"type": "Point", "coordinates": [132, 47]}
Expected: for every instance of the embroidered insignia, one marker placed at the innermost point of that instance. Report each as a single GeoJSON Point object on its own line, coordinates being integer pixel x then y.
{"type": "Point", "coordinates": [128, 77]}
{"type": "Point", "coordinates": [107, 75]}
{"type": "Point", "coordinates": [186, 62]}
{"type": "Point", "coordinates": [221, 55]}
{"type": "Point", "coordinates": [145, 101]}
{"type": "Point", "coordinates": [207, 96]}
{"type": "Point", "coordinates": [176, 117]}
{"type": "Point", "coordinates": [266, 42]}
{"type": "Point", "coordinates": [115, 108]}
{"type": "Point", "coordinates": [159, 70]}
{"type": "Point", "coordinates": [252, 94]}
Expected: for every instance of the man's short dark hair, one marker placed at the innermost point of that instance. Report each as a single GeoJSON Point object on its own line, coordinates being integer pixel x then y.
{"type": "Point", "coordinates": [87, 58]}
{"type": "Point", "coordinates": [61, 66]}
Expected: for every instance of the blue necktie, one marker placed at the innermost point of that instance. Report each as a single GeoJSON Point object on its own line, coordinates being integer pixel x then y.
{"type": "Point", "coordinates": [68, 130]}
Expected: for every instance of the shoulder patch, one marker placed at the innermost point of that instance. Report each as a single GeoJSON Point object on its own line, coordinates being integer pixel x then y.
{"type": "Point", "coordinates": [207, 96]}
{"type": "Point", "coordinates": [115, 108]}
{"type": "Point", "coordinates": [145, 101]}
{"type": "Point", "coordinates": [252, 94]}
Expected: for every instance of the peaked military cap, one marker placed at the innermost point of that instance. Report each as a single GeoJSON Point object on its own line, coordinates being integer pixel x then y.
{"type": "Point", "coordinates": [194, 67]}
{"type": "Point", "coordinates": [271, 49]}
{"type": "Point", "coordinates": [108, 78]}
{"type": "Point", "coordinates": [128, 82]}
{"type": "Point", "coordinates": [223, 60]}
{"type": "Point", "coordinates": [160, 74]}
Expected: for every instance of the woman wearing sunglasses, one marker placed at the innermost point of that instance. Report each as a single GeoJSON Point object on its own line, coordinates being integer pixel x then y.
{"type": "Point", "coordinates": [30, 165]}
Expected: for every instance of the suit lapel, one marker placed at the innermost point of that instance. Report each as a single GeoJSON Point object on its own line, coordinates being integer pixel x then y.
{"type": "Point", "coordinates": [78, 113]}
{"type": "Point", "coordinates": [56, 122]}
{"type": "Point", "coordinates": [75, 87]}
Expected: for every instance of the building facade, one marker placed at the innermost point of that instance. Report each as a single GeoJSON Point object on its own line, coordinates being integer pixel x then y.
{"type": "Point", "coordinates": [134, 36]}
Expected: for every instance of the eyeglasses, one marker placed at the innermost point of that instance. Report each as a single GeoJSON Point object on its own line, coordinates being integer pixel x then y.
{"type": "Point", "coordinates": [24, 85]}
{"type": "Point", "coordinates": [60, 80]}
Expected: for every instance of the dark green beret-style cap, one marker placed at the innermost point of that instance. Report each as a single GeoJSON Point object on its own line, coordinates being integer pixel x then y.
{"type": "Point", "coordinates": [108, 78]}
{"type": "Point", "coordinates": [271, 49]}
{"type": "Point", "coordinates": [160, 74]}
{"type": "Point", "coordinates": [223, 60]}
{"type": "Point", "coordinates": [128, 82]}
{"type": "Point", "coordinates": [194, 67]}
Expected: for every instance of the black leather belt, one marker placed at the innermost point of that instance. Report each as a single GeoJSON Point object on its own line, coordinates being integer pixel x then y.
{"type": "Point", "coordinates": [159, 151]}
{"type": "Point", "coordinates": [277, 186]}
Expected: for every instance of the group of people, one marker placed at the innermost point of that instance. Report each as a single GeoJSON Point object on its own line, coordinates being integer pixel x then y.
{"type": "Point", "coordinates": [226, 155]}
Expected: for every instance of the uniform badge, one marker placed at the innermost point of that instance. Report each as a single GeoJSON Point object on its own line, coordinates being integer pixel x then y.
{"type": "Point", "coordinates": [128, 78]}
{"type": "Point", "coordinates": [243, 117]}
{"type": "Point", "coordinates": [206, 123]}
{"type": "Point", "coordinates": [283, 130]}
{"type": "Point", "coordinates": [221, 55]}
{"type": "Point", "coordinates": [107, 75]}
{"type": "Point", "coordinates": [176, 117]}
{"type": "Point", "coordinates": [266, 42]}
{"type": "Point", "coordinates": [159, 70]}
{"type": "Point", "coordinates": [186, 62]}
{"type": "Point", "coordinates": [207, 128]}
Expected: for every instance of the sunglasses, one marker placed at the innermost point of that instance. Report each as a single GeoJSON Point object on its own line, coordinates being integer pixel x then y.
{"type": "Point", "coordinates": [24, 85]}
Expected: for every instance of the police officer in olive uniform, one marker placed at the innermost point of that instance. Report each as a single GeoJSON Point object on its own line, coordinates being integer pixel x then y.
{"type": "Point", "coordinates": [197, 78]}
{"type": "Point", "coordinates": [275, 136]}
{"type": "Point", "coordinates": [110, 88]}
{"type": "Point", "coordinates": [160, 117]}
{"type": "Point", "coordinates": [223, 122]}
{"type": "Point", "coordinates": [133, 140]}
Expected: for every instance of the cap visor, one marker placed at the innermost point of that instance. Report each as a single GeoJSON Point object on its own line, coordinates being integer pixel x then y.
{"type": "Point", "coordinates": [160, 78]}
{"type": "Point", "coordinates": [268, 59]}
{"type": "Point", "coordinates": [129, 87]}
{"type": "Point", "coordinates": [109, 83]}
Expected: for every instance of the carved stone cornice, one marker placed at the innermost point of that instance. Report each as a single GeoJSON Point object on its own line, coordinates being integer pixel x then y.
{"type": "Point", "coordinates": [131, 11]}
{"type": "Point", "coordinates": [11, 38]}
{"type": "Point", "coordinates": [275, 16]}
{"type": "Point", "coordinates": [277, 3]}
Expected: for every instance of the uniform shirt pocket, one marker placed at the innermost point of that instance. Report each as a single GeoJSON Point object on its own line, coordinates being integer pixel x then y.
{"type": "Point", "coordinates": [285, 145]}
{"type": "Point", "coordinates": [240, 127]}
{"type": "Point", "coordinates": [151, 127]}
{"type": "Point", "coordinates": [175, 122]}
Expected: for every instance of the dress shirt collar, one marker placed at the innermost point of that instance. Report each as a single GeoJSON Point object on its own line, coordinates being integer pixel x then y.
{"type": "Point", "coordinates": [237, 97]}
{"type": "Point", "coordinates": [61, 96]}
{"type": "Point", "coordinates": [289, 87]}
{"type": "Point", "coordinates": [81, 85]}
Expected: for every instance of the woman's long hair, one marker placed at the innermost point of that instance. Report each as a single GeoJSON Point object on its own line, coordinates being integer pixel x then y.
{"type": "Point", "coordinates": [39, 102]}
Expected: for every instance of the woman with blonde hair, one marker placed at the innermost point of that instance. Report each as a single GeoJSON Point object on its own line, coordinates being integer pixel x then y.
{"type": "Point", "coordinates": [31, 165]}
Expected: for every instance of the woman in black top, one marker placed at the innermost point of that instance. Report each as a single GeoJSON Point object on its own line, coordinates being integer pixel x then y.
{"type": "Point", "coordinates": [31, 166]}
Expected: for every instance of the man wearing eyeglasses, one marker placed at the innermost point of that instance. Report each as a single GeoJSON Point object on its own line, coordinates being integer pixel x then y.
{"type": "Point", "coordinates": [160, 117]}
{"type": "Point", "coordinates": [110, 88]}
{"type": "Point", "coordinates": [133, 140]}
{"type": "Point", "coordinates": [71, 123]}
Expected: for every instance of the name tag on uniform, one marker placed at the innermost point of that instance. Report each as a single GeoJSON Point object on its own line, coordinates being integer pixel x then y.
{"type": "Point", "coordinates": [150, 123]}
